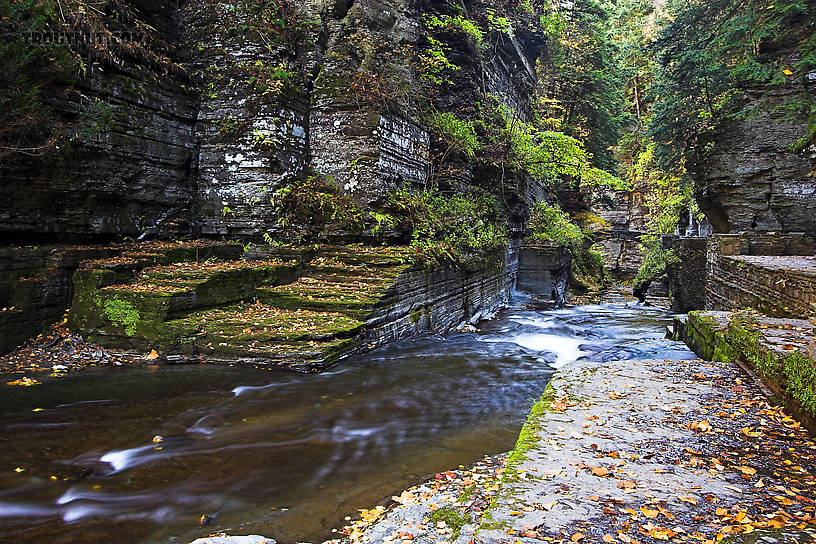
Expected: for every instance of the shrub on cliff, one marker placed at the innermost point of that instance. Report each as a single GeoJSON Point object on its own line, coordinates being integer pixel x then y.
{"type": "Point", "coordinates": [47, 46]}
{"type": "Point", "coordinates": [710, 52]}
{"type": "Point", "coordinates": [464, 230]}
{"type": "Point", "coordinates": [312, 209]}
{"type": "Point", "coordinates": [551, 225]}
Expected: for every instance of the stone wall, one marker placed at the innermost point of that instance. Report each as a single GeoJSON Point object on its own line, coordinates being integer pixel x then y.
{"type": "Point", "coordinates": [772, 273]}
{"type": "Point", "coordinates": [544, 271]}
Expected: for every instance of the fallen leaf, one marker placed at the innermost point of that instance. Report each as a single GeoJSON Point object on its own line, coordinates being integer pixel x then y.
{"type": "Point", "coordinates": [600, 471]}
{"type": "Point", "coordinates": [649, 513]}
{"type": "Point", "coordinates": [608, 538]}
{"type": "Point", "coordinates": [577, 537]}
{"type": "Point", "coordinates": [700, 426]}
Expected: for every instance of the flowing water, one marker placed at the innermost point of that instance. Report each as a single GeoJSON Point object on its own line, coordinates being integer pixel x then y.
{"type": "Point", "coordinates": [278, 453]}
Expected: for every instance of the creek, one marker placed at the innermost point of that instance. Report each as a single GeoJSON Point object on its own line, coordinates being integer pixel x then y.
{"type": "Point", "coordinates": [278, 453]}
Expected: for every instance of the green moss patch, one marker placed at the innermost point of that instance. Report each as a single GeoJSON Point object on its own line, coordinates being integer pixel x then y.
{"type": "Point", "coordinates": [257, 321]}
{"type": "Point", "coordinates": [452, 517]}
{"type": "Point", "coordinates": [309, 308]}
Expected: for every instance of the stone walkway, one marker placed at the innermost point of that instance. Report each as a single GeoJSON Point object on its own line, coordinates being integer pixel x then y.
{"type": "Point", "coordinates": [635, 452]}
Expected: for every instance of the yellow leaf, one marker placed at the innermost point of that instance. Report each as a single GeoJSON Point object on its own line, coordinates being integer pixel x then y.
{"type": "Point", "coordinates": [690, 500]}
{"type": "Point", "coordinates": [787, 72]}
{"type": "Point", "coordinates": [577, 537]}
{"type": "Point", "coordinates": [700, 426]}
{"type": "Point", "coordinates": [608, 538]}
{"type": "Point", "coordinates": [649, 513]}
{"type": "Point", "coordinates": [747, 470]}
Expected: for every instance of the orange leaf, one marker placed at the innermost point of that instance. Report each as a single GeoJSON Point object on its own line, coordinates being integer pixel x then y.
{"type": "Point", "coordinates": [600, 471]}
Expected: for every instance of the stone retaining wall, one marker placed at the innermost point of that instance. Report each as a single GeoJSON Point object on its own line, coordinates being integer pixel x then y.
{"type": "Point", "coordinates": [775, 348]}
{"type": "Point", "coordinates": [772, 273]}
{"type": "Point", "coordinates": [687, 276]}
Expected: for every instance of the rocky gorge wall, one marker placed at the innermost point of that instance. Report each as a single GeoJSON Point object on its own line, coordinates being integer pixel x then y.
{"type": "Point", "coordinates": [424, 300]}
{"type": "Point", "coordinates": [544, 271]}
{"type": "Point", "coordinates": [236, 103]}
{"type": "Point", "coordinates": [753, 179]}
{"type": "Point", "coordinates": [298, 307]}
{"type": "Point", "coordinates": [242, 112]}
{"type": "Point", "coordinates": [35, 288]}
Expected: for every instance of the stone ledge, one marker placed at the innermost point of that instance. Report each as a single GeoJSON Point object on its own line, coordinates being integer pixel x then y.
{"type": "Point", "coordinates": [648, 451]}
{"type": "Point", "coordinates": [776, 349]}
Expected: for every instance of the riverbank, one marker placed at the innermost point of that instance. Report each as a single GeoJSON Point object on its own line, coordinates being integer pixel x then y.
{"type": "Point", "coordinates": [643, 451]}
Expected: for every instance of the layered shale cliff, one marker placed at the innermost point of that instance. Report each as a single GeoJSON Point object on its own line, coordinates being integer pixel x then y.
{"type": "Point", "coordinates": [195, 118]}
{"type": "Point", "coordinates": [251, 97]}
{"type": "Point", "coordinates": [759, 175]}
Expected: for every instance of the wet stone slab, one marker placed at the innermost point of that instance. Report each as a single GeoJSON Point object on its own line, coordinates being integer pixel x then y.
{"type": "Point", "coordinates": [653, 450]}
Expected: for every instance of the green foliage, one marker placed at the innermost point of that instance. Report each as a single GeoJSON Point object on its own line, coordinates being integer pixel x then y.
{"type": "Point", "coordinates": [710, 51]}
{"type": "Point", "coordinates": [381, 220]}
{"type": "Point", "coordinates": [269, 80]}
{"type": "Point", "coordinates": [465, 230]}
{"type": "Point", "coordinates": [36, 76]}
{"type": "Point", "coordinates": [501, 24]}
{"type": "Point", "coordinates": [655, 259]}
{"type": "Point", "coordinates": [549, 224]}
{"type": "Point", "coordinates": [122, 314]}
{"type": "Point", "coordinates": [579, 92]}
{"type": "Point", "coordinates": [27, 125]}
{"type": "Point", "coordinates": [433, 64]}
{"type": "Point", "coordinates": [458, 24]}
{"type": "Point", "coordinates": [313, 208]}
{"type": "Point", "coordinates": [668, 194]}
{"type": "Point", "coordinates": [588, 273]}
{"type": "Point", "coordinates": [544, 154]}
{"type": "Point", "coordinates": [459, 135]}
